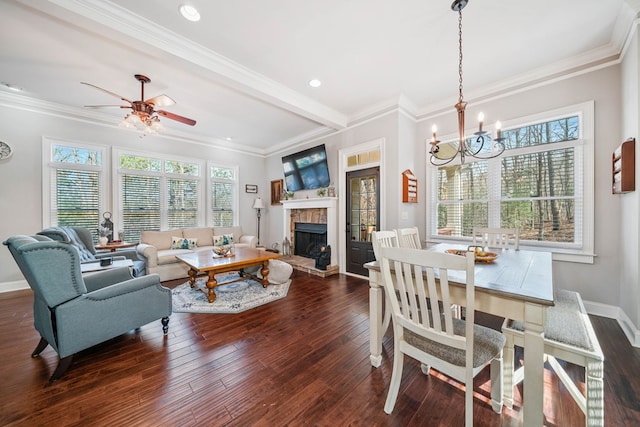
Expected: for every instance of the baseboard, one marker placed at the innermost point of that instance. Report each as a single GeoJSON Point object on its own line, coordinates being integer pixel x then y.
{"type": "Point", "coordinates": [18, 285]}
{"type": "Point", "coordinates": [612, 312]}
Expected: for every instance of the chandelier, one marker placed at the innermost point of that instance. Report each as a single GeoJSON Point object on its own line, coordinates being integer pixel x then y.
{"type": "Point", "coordinates": [475, 146]}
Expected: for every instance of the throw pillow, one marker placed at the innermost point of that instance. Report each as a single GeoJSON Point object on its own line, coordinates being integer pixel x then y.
{"type": "Point", "coordinates": [224, 239]}
{"type": "Point", "coordinates": [182, 243]}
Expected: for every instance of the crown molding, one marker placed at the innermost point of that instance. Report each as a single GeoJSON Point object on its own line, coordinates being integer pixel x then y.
{"type": "Point", "coordinates": [228, 72]}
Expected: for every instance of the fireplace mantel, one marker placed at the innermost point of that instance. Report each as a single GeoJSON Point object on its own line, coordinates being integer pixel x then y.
{"type": "Point", "coordinates": [328, 203]}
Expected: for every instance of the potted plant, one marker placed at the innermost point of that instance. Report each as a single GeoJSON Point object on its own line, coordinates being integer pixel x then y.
{"type": "Point", "coordinates": [104, 233]}
{"type": "Point", "coordinates": [321, 192]}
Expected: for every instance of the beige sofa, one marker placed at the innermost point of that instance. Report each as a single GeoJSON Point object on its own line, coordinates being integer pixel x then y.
{"type": "Point", "coordinates": [156, 247]}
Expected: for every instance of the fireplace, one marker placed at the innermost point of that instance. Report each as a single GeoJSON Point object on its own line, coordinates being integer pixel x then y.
{"type": "Point", "coordinates": [309, 238]}
{"type": "Point", "coordinates": [320, 210]}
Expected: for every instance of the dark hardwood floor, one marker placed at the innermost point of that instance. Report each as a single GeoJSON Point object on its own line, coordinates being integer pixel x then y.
{"type": "Point", "coordinates": [300, 361]}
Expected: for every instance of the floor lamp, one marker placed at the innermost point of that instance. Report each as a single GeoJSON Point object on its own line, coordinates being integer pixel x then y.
{"type": "Point", "coordinates": [258, 205]}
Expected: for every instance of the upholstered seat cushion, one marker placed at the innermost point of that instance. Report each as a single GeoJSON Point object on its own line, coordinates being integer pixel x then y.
{"type": "Point", "coordinates": [486, 345]}
{"type": "Point", "coordinates": [564, 324]}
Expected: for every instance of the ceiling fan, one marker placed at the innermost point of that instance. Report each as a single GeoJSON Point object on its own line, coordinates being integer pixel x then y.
{"type": "Point", "coordinates": [144, 115]}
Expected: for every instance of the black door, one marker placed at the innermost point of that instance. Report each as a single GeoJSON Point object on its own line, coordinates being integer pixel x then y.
{"type": "Point", "coordinates": [363, 213]}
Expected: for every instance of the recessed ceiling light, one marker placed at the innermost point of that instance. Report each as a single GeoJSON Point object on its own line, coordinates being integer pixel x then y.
{"type": "Point", "coordinates": [190, 13]}
{"type": "Point", "coordinates": [315, 83]}
{"type": "Point", "coordinates": [229, 138]}
{"type": "Point", "coordinates": [11, 87]}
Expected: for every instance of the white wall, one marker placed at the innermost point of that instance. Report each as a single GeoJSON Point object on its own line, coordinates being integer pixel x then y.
{"type": "Point", "coordinates": [629, 294]}
{"type": "Point", "coordinates": [21, 175]}
{"type": "Point", "coordinates": [597, 282]}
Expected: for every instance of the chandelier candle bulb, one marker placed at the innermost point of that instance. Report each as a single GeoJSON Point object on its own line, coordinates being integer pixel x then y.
{"type": "Point", "coordinates": [498, 130]}
{"type": "Point", "coordinates": [480, 120]}
{"type": "Point", "coordinates": [434, 138]}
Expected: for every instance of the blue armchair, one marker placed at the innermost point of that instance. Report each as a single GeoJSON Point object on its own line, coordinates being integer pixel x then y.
{"type": "Point", "coordinates": [82, 239]}
{"type": "Point", "coordinates": [72, 312]}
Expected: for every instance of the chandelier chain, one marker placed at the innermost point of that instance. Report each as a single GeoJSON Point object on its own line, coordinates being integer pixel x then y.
{"type": "Point", "coordinates": [460, 55]}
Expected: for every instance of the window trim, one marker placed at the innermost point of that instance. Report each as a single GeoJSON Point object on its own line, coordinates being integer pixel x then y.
{"type": "Point", "coordinates": [49, 166]}
{"type": "Point", "coordinates": [584, 156]}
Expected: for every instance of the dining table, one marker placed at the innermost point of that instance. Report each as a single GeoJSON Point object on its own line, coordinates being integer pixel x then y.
{"type": "Point", "coordinates": [517, 284]}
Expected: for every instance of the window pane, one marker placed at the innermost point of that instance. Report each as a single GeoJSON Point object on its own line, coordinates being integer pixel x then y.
{"type": "Point", "coordinates": [77, 156]}
{"type": "Point", "coordinates": [566, 129]}
{"type": "Point", "coordinates": [546, 180]}
{"type": "Point", "coordinates": [139, 163]}
{"type": "Point", "coordinates": [222, 204]}
{"type": "Point", "coordinates": [141, 205]}
{"type": "Point", "coordinates": [183, 203]}
{"type": "Point", "coordinates": [78, 198]}
{"type": "Point", "coordinates": [462, 198]}
{"type": "Point", "coordinates": [222, 173]}
{"type": "Point", "coordinates": [183, 168]}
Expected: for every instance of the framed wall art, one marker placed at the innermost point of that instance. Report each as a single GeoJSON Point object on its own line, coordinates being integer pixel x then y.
{"type": "Point", "coordinates": [277, 187]}
{"type": "Point", "coordinates": [250, 188]}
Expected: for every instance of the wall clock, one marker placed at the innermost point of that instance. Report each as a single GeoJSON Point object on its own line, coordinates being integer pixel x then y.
{"type": "Point", "coordinates": [5, 151]}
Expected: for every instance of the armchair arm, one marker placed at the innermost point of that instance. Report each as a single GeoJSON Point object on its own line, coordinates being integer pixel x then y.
{"type": "Point", "coordinates": [122, 288]}
{"type": "Point", "coordinates": [251, 240]}
{"type": "Point", "coordinates": [105, 278]}
{"type": "Point", "coordinates": [149, 252]}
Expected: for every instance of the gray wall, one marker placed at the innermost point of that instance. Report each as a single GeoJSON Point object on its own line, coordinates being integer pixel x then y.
{"type": "Point", "coordinates": [21, 175]}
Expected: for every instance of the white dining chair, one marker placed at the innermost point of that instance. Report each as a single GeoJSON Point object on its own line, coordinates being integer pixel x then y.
{"type": "Point", "coordinates": [426, 331]}
{"type": "Point", "coordinates": [384, 239]}
{"type": "Point", "coordinates": [497, 238]}
{"type": "Point", "coordinates": [409, 238]}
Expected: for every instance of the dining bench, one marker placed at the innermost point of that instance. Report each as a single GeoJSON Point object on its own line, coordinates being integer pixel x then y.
{"type": "Point", "coordinates": [569, 336]}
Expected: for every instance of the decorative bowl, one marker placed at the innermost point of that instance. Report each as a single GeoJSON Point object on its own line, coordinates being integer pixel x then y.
{"type": "Point", "coordinates": [486, 257]}
{"type": "Point", "coordinates": [221, 251]}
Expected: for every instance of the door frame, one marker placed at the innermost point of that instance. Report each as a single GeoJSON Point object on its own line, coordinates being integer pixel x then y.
{"type": "Point", "coordinates": [343, 168]}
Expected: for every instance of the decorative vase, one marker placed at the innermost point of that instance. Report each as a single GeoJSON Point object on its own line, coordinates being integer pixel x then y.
{"type": "Point", "coordinates": [103, 240]}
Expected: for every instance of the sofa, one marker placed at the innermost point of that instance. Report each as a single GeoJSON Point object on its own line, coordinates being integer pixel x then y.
{"type": "Point", "coordinates": [159, 248]}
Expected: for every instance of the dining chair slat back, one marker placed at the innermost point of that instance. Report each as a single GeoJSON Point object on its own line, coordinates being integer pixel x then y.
{"type": "Point", "coordinates": [498, 238]}
{"type": "Point", "coordinates": [417, 286]}
{"type": "Point", "coordinates": [409, 238]}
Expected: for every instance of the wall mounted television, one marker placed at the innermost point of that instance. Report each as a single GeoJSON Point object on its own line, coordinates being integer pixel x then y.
{"type": "Point", "coordinates": [306, 169]}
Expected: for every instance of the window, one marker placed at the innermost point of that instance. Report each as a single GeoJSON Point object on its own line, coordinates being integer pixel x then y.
{"type": "Point", "coordinates": [542, 184]}
{"type": "Point", "coordinates": [224, 188]}
{"type": "Point", "coordinates": [157, 194]}
{"type": "Point", "coordinates": [74, 186]}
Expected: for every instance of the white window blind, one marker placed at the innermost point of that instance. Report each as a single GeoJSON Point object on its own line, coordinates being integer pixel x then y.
{"type": "Point", "coordinates": [140, 205]}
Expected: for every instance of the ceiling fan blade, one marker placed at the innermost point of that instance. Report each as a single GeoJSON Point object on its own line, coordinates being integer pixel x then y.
{"type": "Point", "coordinates": [160, 101]}
{"type": "Point", "coordinates": [107, 91]}
{"type": "Point", "coordinates": [107, 106]}
{"type": "Point", "coordinates": [176, 117]}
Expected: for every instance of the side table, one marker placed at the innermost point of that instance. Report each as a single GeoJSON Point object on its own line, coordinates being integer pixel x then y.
{"type": "Point", "coordinates": [114, 246]}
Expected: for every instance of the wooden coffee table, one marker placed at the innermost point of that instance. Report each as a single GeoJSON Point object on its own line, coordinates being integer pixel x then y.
{"type": "Point", "coordinates": [205, 262]}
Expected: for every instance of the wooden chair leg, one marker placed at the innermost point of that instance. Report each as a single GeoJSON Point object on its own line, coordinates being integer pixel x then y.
{"type": "Point", "coordinates": [63, 365]}
{"type": "Point", "coordinates": [41, 346]}
{"type": "Point", "coordinates": [165, 325]}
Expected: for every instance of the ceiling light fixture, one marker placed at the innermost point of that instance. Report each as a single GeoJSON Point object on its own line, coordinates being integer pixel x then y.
{"type": "Point", "coordinates": [315, 83]}
{"type": "Point", "coordinates": [190, 13]}
{"type": "Point", "coordinates": [441, 155]}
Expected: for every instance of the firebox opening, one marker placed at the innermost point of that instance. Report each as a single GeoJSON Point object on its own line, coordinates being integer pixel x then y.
{"type": "Point", "coordinates": [309, 238]}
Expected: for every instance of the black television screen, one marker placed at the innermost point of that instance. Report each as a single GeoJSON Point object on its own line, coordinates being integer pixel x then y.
{"type": "Point", "coordinates": [306, 169]}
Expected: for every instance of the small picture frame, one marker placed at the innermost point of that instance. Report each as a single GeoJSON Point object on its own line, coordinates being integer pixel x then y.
{"type": "Point", "coordinates": [277, 186]}
{"type": "Point", "coordinates": [250, 188]}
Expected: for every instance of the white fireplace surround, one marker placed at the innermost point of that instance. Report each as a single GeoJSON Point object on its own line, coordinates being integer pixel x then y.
{"type": "Point", "coordinates": [328, 203]}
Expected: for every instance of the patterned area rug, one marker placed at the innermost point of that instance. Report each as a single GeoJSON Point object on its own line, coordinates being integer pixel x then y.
{"type": "Point", "coordinates": [232, 298]}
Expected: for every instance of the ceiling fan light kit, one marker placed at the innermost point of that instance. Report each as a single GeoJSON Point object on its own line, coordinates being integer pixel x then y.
{"type": "Point", "coordinates": [144, 116]}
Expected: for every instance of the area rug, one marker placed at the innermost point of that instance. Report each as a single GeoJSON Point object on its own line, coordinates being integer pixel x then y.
{"type": "Point", "coordinates": [232, 298]}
